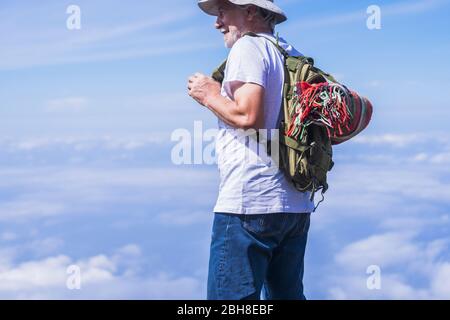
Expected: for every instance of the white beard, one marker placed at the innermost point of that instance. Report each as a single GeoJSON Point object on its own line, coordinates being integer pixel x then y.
{"type": "Point", "coordinates": [233, 36]}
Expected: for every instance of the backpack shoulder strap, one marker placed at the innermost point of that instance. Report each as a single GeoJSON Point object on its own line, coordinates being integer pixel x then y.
{"type": "Point", "coordinates": [276, 44]}
{"type": "Point", "coordinates": [219, 73]}
{"type": "Point", "coordinates": [291, 64]}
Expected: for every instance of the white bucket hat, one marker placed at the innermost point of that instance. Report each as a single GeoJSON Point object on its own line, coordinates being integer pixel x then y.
{"type": "Point", "coordinates": [210, 7]}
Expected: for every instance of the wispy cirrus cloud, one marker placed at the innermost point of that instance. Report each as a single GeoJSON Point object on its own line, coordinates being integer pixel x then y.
{"type": "Point", "coordinates": [40, 43]}
{"type": "Point", "coordinates": [394, 9]}
{"type": "Point", "coordinates": [404, 139]}
{"type": "Point", "coordinates": [71, 104]}
{"type": "Point", "coordinates": [24, 208]}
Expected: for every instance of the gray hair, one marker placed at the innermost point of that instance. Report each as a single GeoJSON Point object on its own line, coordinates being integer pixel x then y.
{"type": "Point", "coordinates": [267, 16]}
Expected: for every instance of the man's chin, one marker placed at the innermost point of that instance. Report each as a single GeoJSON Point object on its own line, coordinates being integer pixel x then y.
{"type": "Point", "coordinates": [230, 40]}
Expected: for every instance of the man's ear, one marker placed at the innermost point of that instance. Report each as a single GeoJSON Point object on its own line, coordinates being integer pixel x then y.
{"type": "Point", "coordinates": [252, 12]}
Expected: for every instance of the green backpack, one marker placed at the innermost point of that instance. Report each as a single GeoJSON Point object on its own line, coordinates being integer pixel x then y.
{"type": "Point", "coordinates": [306, 159]}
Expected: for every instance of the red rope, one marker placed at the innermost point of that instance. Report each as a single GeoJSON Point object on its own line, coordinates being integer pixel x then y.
{"type": "Point", "coordinates": [324, 104]}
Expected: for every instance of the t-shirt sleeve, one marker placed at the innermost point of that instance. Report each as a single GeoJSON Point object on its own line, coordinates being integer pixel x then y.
{"type": "Point", "coordinates": [246, 63]}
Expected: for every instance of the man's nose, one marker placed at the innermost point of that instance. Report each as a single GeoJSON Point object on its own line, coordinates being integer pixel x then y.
{"type": "Point", "coordinates": [218, 23]}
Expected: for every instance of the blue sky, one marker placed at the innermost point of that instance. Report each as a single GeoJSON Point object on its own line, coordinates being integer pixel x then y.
{"type": "Point", "coordinates": [86, 176]}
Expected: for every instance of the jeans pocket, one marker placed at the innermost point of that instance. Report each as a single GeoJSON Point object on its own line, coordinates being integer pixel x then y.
{"type": "Point", "coordinates": [264, 225]}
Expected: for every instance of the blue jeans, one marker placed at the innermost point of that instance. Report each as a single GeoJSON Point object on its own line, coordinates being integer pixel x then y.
{"type": "Point", "coordinates": [254, 253]}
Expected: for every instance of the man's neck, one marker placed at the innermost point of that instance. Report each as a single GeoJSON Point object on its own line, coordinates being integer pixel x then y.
{"type": "Point", "coordinates": [260, 29]}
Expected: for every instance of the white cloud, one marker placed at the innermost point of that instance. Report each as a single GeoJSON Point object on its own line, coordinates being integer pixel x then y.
{"type": "Point", "coordinates": [377, 191]}
{"type": "Point", "coordinates": [416, 223]}
{"type": "Point", "coordinates": [375, 83]}
{"type": "Point", "coordinates": [47, 272]}
{"type": "Point", "coordinates": [101, 278]}
{"type": "Point", "coordinates": [129, 250]}
{"type": "Point", "coordinates": [393, 287]}
{"type": "Point", "coordinates": [29, 144]}
{"type": "Point", "coordinates": [383, 250]}
{"type": "Point", "coordinates": [401, 206]}
{"type": "Point", "coordinates": [427, 142]}
{"type": "Point", "coordinates": [54, 191]}
{"type": "Point", "coordinates": [403, 259]}
{"type": "Point", "coordinates": [400, 199]}
{"type": "Point", "coordinates": [46, 246]}
{"type": "Point", "coordinates": [440, 281]}
{"type": "Point", "coordinates": [440, 158]}
{"type": "Point", "coordinates": [183, 218]}
{"type": "Point", "coordinates": [8, 236]}
{"type": "Point", "coordinates": [85, 143]}
{"type": "Point", "coordinates": [420, 157]}
{"type": "Point", "coordinates": [6, 257]}
{"type": "Point", "coordinates": [395, 140]}
{"type": "Point", "coordinates": [73, 104]}
{"type": "Point", "coordinates": [23, 208]}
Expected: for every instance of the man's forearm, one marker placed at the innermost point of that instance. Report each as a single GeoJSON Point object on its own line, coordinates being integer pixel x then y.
{"type": "Point", "coordinates": [228, 111]}
{"type": "Point", "coordinates": [245, 111]}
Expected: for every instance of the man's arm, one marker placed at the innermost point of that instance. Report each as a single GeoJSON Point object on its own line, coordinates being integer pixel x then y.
{"type": "Point", "coordinates": [245, 111]}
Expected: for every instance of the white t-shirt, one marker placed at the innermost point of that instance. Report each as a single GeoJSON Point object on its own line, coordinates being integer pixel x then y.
{"type": "Point", "coordinates": [255, 187]}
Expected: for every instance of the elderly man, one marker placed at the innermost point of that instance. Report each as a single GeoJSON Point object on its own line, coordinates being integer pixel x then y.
{"type": "Point", "coordinates": [260, 220]}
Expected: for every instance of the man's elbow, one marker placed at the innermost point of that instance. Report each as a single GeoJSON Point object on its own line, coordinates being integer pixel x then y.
{"type": "Point", "coordinates": [248, 122]}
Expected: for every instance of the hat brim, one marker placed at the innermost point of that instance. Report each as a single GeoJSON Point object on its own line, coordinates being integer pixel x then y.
{"type": "Point", "coordinates": [211, 7]}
